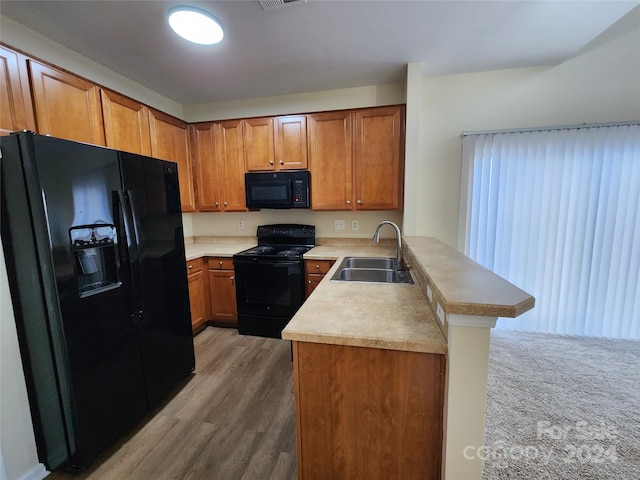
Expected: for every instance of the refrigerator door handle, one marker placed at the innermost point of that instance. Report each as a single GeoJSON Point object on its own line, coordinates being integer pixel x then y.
{"type": "Point", "coordinates": [125, 210]}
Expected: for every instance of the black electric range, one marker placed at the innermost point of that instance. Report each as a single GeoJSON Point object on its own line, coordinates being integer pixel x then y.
{"type": "Point", "coordinates": [270, 278]}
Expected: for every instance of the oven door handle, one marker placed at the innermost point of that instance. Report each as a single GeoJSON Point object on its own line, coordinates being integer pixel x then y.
{"type": "Point", "coordinates": [275, 263]}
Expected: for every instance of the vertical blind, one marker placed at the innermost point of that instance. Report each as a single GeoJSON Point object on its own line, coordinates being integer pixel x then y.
{"type": "Point", "coordinates": [557, 213]}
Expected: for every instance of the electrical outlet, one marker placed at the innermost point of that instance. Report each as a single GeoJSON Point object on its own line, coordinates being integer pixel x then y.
{"type": "Point", "coordinates": [339, 224]}
{"type": "Point", "coordinates": [354, 224]}
{"type": "Point", "coordinates": [240, 224]}
{"type": "Point", "coordinates": [440, 312]}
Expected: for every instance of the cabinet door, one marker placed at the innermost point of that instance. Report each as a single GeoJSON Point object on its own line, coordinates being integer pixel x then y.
{"type": "Point", "coordinates": [259, 146]}
{"type": "Point", "coordinates": [126, 123]}
{"type": "Point", "coordinates": [291, 142]}
{"type": "Point", "coordinates": [367, 412]}
{"type": "Point", "coordinates": [198, 293]}
{"type": "Point", "coordinates": [230, 164]}
{"type": "Point", "coordinates": [16, 112]}
{"type": "Point", "coordinates": [377, 158]}
{"type": "Point", "coordinates": [170, 141]}
{"type": "Point", "coordinates": [330, 161]}
{"type": "Point", "coordinates": [66, 106]}
{"type": "Point", "coordinates": [222, 291]}
{"type": "Point", "coordinates": [208, 195]}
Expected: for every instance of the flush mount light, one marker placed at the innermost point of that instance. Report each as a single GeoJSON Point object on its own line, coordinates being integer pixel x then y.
{"type": "Point", "coordinates": [195, 25]}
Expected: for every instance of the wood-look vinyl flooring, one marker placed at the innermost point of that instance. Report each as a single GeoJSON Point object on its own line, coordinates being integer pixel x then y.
{"type": "Point", "coordinates": [233, 419]}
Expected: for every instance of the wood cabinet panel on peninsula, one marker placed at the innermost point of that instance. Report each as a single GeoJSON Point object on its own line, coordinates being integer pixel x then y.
{"type": "Point", "coordinates": [16, 111]}
{"type": "Point", "coordinates": [170, 141]}
{"type": "Point", "coordinates": [198, 292]}
{"type": "Point", "coordinates": [66, 106]}
{"type": "Point", "coordinates": [368, 412]}
{"type": "Point", "coordinates": [222, 292]}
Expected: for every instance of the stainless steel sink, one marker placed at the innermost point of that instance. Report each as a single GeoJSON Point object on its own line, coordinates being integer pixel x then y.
{"type": "Point", "coordinates": [368, 262]}
{"type": "Point", "coordinates": [366, 269]}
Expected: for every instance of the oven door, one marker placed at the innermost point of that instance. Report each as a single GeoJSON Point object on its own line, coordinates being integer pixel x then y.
{"type": "Point", "coordinates": [270, 288]}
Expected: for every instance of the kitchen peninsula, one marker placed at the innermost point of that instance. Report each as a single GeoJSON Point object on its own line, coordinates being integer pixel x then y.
{"type": "Point", "coordinates": [395, 369]}
{"type": "Point", "coordinates": [391, 379]}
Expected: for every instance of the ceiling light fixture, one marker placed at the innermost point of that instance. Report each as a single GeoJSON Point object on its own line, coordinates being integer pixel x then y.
{"type": "Point", "coordinates": [195, 25]}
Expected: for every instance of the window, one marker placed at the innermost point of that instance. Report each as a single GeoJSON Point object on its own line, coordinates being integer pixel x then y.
{"type": "Point", "coordinates": [557, 213]}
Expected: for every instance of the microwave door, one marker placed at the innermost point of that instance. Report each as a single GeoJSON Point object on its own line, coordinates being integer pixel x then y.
{"type": "Point", "coordinates": [269, 194]}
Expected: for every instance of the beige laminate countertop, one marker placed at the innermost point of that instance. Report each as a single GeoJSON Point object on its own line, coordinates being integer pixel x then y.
{"type": "Point", "coordinates": [461, 285]}
{"type": "Point", "coordinates": [387, 316]}
{"type": "Point", "coordinates": [197, 250]}
{"type": "Point", "coordinates": [392, 316]}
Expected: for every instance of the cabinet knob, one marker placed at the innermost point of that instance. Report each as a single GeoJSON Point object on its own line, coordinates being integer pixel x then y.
{"type": "Point", "coordinates": [309, 282]}
{"type": "Point", "coordinates": [231, 278]}
{"type": "Point", "coordinates": [348, 202]}
{"type": "Point", "coordinates": [220, 263]}
{"type": "Point", "coordinates": [217, 204]}
{"type": "Point", "coordinates": [224, 203]}
{"type": "Point", "coordinates": [281, 162]}
{"type": "Point", "coordinates": [359, 202]}
{"type": "Point", "coordinates": [270, 162]}
{"type": "Point", "coordinates": [317, 267]}
{"type": "Point", "coordinates": [190, 267]}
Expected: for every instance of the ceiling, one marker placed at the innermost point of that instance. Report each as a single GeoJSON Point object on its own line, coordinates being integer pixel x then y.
{"type": "Point", "coordinates": [315, 45]}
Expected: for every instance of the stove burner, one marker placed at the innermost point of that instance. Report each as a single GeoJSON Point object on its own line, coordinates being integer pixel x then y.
{"type": "Point", "coordinates": [261, 250]}
{"type": "Point", "coordinates": [292, 251]}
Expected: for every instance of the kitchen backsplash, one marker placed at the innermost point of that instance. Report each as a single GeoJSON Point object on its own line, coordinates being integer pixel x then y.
{"type": "Point", "coordinates": [244, 224]}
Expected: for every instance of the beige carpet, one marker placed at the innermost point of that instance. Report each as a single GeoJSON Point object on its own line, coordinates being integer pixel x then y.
{"type": "Point", "coordinates": [561, 407]}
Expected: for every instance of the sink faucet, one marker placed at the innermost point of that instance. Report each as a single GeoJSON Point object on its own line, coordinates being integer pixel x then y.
{"type": "Point", "coordinates": [376, 238]}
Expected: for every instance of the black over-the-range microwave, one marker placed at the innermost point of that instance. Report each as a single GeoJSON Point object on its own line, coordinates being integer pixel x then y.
{"type": "Point", "coordinates": [278, 189]}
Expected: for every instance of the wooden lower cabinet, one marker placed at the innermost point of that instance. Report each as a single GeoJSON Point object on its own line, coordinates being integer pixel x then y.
{"type": "Point", "coordinates": [367, 412]}
{"type": "Point", "coordinates": [198, 293]}
{"type": "Point", "coordinates": [222, 292]}
{"type": "Point", "coordinates": [314, 272]}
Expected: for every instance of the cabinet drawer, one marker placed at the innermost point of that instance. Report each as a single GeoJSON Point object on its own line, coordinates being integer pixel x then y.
{"type": "Point", "coordinates": [194, 265]}
{"type": "Point", "coordinates": [317, 266]}
{"type": "Point", "coordinates": [220, 263]}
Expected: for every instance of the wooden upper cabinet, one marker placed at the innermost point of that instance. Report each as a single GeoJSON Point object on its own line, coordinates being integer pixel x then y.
{"type": "Point", "coordinates": [291, 142]}
{"type": "Point", "coordinates": [126, 123]}
{"type": "Point", "coordinates": [208, 196]}
{"type": "Point", "coordinates": [170, 141]}
{"type": "Point", "coordinates": [378, 162]}
{"type": "Point", "coordinates": [16, 111]}
{"type": "Point", "coordinates": [66, 106]}
{"type": "Point", "coordinates": [230, 164]}
{"type": "Point", "coordinates": [259, 144]}
{"type": "Point", "coordinates": [330, 160]}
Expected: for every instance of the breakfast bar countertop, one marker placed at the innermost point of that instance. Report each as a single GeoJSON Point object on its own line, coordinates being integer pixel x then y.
{"type": "Point", "coordinates": [374, 315]}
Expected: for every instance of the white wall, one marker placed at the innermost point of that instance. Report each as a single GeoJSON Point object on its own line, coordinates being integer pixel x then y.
{"type": "Point", "coordinates": [17, 443]}
{"type": "Point", "coordinates": [600, 84]}
{"type": "Point", "coordinates": [34, 44]}
{"type": "Point", "coordinates": [370, 96]}
{"type": "Point", "coordinates": [226, 224]}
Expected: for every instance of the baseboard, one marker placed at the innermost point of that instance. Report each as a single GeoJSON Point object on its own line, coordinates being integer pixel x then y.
{"type": "Point", "coordinates": [37, 472]}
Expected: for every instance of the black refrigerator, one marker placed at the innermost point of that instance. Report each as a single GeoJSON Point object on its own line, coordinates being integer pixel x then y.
{"type": "Point", "coordinates": [94, 249]}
